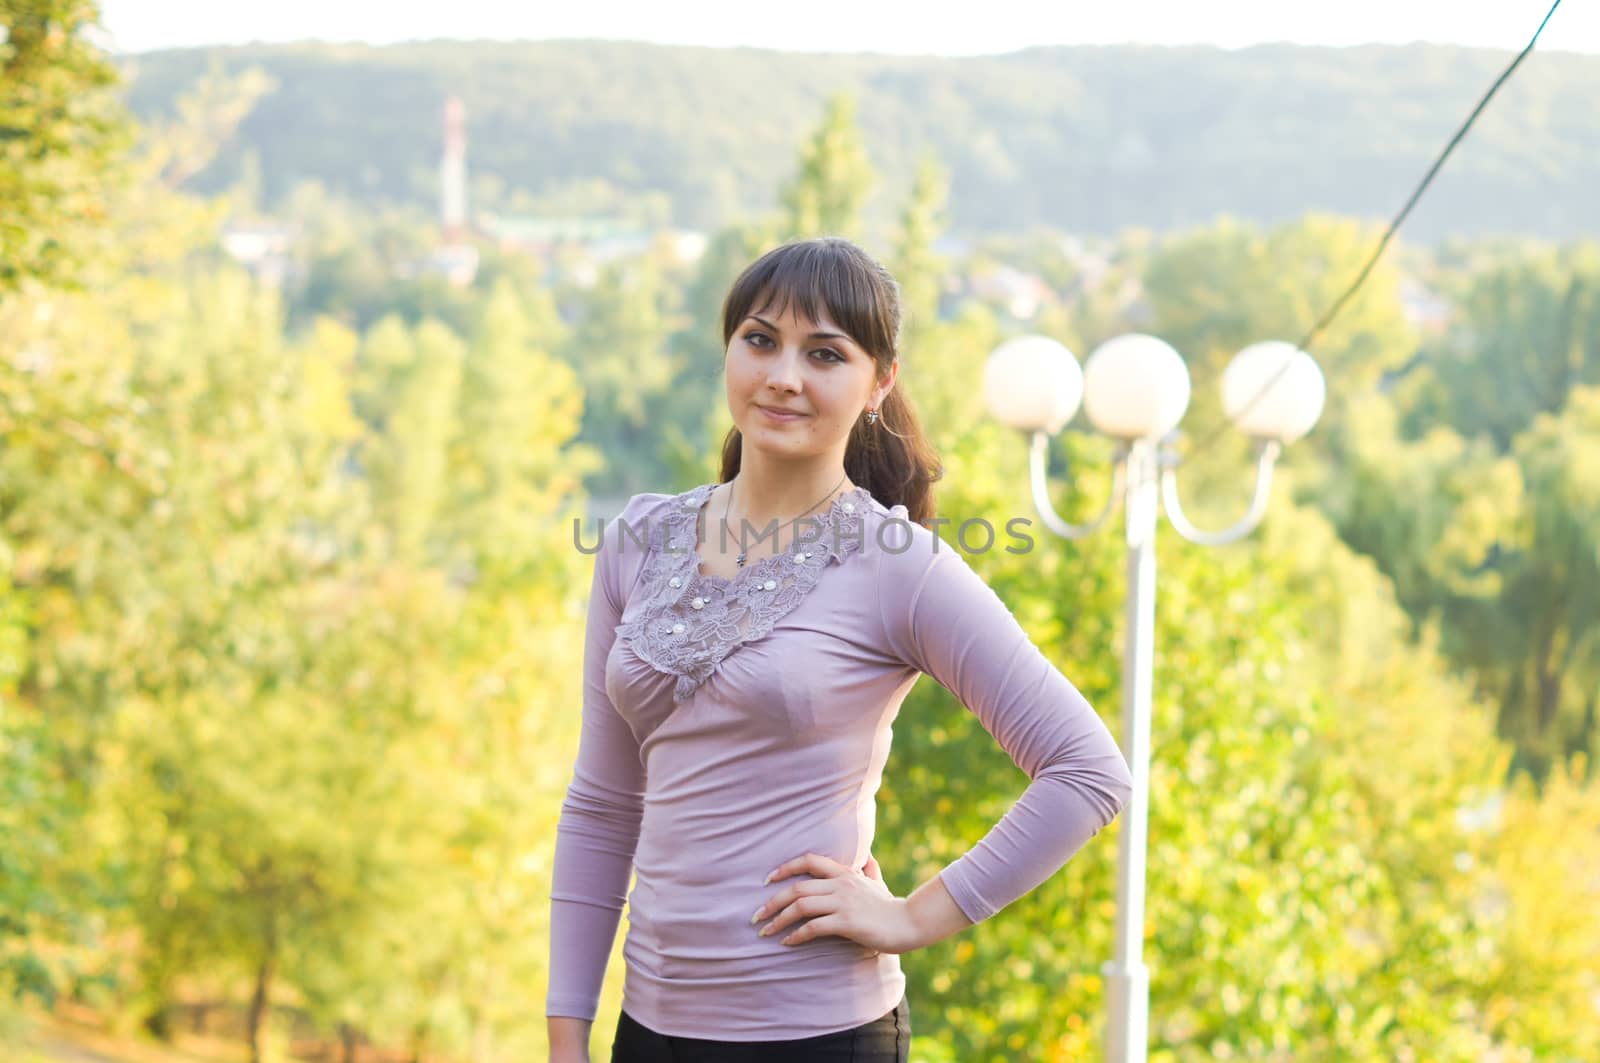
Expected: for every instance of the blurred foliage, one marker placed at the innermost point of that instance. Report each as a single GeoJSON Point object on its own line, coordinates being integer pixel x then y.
{"type": "Point", "coordinates": [290, 611]}
{"type": "Point", "coordinates": [1473, 484]}
{"type": "Point", "coordinates": [61, 133]}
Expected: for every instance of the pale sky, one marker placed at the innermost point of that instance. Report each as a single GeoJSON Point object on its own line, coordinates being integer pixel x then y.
{"type": "Point", "coordinates": [894, 26]}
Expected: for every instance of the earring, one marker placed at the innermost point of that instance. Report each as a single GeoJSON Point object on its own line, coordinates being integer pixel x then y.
{"type": "Point", "coordinates": [872, 416]}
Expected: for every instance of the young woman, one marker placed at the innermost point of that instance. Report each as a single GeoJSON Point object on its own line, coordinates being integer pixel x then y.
{"type": "Point", "coordinates": [749, 644]}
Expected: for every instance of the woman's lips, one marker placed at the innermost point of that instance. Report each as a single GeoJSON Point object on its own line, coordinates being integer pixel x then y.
{"type": "Point", "coordinates": [777, 415]}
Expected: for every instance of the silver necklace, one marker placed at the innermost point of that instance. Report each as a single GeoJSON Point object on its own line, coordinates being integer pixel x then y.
{"type": "Point", "coordinates": [740, 559]}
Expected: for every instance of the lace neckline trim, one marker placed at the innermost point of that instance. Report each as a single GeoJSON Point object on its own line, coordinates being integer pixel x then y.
{"type": "Point", "coordinates": [686, 622]}
{"type": "Point", "coordinates": [847, 505]}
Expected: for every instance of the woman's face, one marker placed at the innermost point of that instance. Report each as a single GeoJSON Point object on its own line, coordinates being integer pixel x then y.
{"type": "Point", "coordinates": [787, 362]}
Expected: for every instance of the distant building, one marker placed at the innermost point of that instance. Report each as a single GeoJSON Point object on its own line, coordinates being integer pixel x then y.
{"type": "Point", "coordinates": [456, 263]}
{"type": "Point", "coordinates": [621, 246]}
{"type": "Point", "coordinates": [686, 246]}
{"type": "Point", "coordinates": [263, 248]}
{"type": "Point", "coordinates": [1021, 294]}
{"type": "Point", "coordinates": [1423, 307]}
{"type": "Point", "coordinates": [543, 236]}
{"type": "Point", "coordinates": [575, 248]}
{"type": "Point", "coordinates": [1093, 267]}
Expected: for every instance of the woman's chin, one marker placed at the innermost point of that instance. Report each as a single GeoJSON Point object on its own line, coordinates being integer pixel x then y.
{"type": "Point", "coordinates": [778, 432]}
{"type": "Point", "coordinates": [780, 444]}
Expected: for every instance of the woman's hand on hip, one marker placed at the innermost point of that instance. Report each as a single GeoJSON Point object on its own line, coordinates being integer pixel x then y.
{"type": "Point", "coordinates": [840, 901]}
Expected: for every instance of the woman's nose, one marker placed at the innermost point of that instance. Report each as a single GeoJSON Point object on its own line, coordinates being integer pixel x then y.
{"type": "Point", "coordinates": [785, 371]}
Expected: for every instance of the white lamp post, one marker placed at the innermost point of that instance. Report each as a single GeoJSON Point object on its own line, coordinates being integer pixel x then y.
{"type": "Point", "coordinates": [1135, 388]}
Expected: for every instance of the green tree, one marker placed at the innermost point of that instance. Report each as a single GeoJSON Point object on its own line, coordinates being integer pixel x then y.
{"type": "Point", "coordinates": [79, 469]}
{"type": "Point", "coordinates": [65, 140]}
{"type": "Point", "coordinates": [1528, 333]}
{"type": "Point", "coordinates": [622, 352]}
{"type": "Point", "coordinates": [1480, 520]}
{"type": "Point", "coordinates": [209, 114]}
{"type": "Point", "coordinates": [508, 474]}
{"type": "Point", "coordinates": [414, 406]}
{"type": "Point", "coordinates": [829, 190]}
{"type": "Point", "coordinates": [915, 265]}
{"type": "Point", "coordinates": [1524, 604]}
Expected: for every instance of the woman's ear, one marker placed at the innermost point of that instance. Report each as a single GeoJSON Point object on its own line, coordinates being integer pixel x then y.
{"type": "Point", "coordinates": [886, 384]}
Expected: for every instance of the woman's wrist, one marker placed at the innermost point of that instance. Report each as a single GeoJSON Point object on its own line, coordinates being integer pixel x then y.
{"type": "Point", "coordinates": [569, 1038]}
{"type": "Point", "coordinates": [934, 914]}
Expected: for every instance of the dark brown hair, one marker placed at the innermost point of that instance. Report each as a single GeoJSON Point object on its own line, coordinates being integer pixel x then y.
{"type": "Point", "coordinates": [892, 459]}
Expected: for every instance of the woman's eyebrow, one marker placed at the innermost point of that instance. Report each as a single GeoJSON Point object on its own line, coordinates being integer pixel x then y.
{"type": "Point", "coordinates": [813, 336]}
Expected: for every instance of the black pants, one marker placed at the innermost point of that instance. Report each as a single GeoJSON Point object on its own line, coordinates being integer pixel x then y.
{"type": "Point", "coordinates": [883, 1040]}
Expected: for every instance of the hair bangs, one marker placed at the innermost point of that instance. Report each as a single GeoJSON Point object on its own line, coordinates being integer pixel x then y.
{"type": "Point", "coordinates": [817, 279]}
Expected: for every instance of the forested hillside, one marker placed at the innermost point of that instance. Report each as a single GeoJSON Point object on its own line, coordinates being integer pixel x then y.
{"type": "Point", "coordinates": [1092, 140]}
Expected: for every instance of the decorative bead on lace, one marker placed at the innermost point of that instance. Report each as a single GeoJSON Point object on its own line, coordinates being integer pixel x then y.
{"type": "Point", "coordinates": [689, 622]}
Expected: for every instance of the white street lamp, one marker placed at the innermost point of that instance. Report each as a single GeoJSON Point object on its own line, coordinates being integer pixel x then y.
{"type": "Point", "coordinates": [1135, 388]}
{"type": "Point", "coordinates": [1273, 390]}
{"type": "Point", "coordinates": [1033, 382]}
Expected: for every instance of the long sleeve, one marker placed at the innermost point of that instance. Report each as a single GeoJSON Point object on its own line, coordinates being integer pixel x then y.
{"type": "Point", "coordinates": [598, 829]}
{"type": "Point", "coordinates": [952, 626]}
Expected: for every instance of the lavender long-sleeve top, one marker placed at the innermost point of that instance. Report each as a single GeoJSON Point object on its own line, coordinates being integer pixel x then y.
{"type": "Point", "coordinates": [730, 725]}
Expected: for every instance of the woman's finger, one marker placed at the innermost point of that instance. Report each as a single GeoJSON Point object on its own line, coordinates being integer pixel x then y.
{"type": "Point", "coordinates": [811, 863]}
{"type": "Point", "coordinates": [827, 924]}
{"type": "Point", "coordinates": [804, 907]}
{"type": "Point", "coordinates": [789, 894]}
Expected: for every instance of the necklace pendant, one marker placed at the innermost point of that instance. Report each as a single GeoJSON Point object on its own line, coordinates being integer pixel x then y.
{"type": "Point", "coordinates": [740, 560]}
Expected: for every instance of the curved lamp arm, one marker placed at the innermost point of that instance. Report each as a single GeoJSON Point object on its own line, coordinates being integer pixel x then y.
{"type": "Point", "coordinates": [1270, 449]}
{"type": "Point", "coordinates": [1041, 493]}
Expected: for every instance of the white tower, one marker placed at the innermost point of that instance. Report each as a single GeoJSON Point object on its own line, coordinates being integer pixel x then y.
{"type": "Point", "coordinates": [453, 173]}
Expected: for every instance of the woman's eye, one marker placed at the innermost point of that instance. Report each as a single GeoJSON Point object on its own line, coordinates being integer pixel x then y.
{"type": "Point", "coordinates": [764, 339]}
